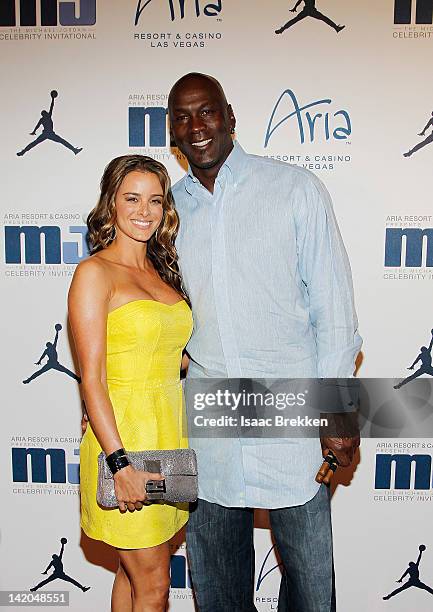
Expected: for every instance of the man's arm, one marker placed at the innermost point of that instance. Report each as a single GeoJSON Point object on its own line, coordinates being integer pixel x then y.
{"type": "Point", "coordinates": [41, 357]}
{"type": "Point", "coordinates": [50, 112]}
{"type": "Point", "coordinates": [428, 124]}
{"type": "Point", "coordinates": [405, 574]}
{"type": "Point", "coordinates": [411, 367]}
{"type": "Point", "coordinates": [325, 271]}
{"type": "Point", "coordinates": [56, 337]}
{"type": "Point", "coordinates": [39, 123]}
{"type": "Point", "coordinates": [294, 9]}
{"type": "Point", "coordinates": [48, 567]}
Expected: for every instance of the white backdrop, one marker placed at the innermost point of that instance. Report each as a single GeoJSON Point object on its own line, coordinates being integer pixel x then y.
{"type": "Point", "coordinates": [369, 88]}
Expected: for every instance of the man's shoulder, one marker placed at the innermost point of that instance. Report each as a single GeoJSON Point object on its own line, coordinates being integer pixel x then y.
{"type": "Point", "coordinates": [283, 170]}
{"type": "Point", "coordinates": [179, 186]}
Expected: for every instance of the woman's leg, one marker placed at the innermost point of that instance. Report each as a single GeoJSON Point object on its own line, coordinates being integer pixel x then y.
{"type": "Point", "coordinates": [121, 596]}
{"type": "Point", "coordinates": [148, 570]}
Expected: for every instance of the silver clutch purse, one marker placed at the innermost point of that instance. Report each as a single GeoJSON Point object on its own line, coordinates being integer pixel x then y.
{"type": "Point", "coordinates": [179, 467]}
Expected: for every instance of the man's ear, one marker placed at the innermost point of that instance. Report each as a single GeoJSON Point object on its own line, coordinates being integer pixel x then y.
{"type": "Point", "coordinates": [173, 144]}
{"type": "Point", "coordinates": [232, 118]}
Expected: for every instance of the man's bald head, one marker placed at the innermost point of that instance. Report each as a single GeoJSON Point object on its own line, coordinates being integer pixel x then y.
{"type": "Point", "coordinates": [196, 80]}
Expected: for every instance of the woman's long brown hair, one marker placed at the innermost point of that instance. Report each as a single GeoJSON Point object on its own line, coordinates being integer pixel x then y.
{"type": "Point", "coordinates": [101, 220]}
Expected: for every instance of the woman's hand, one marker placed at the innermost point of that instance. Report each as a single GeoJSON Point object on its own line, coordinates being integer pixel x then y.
{"type": "Point", "coordinates": [130, 487]}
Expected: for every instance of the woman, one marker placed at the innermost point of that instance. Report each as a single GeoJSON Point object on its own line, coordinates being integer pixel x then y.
{"type": "Point", "coordinates": [130, 321]}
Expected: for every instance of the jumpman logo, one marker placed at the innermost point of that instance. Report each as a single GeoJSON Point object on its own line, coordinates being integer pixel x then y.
{"type": "Point", "coordinates": [309, 10]}
{"type": "Point", "coordinates": [57, 565]}
{"type": "Point", "coordinates": [52, 363]}
{"type": "Point", "coordinates": [426, 368]}
{"type": "Point", "coordinates": [48, 133]}
{"type": "Point", "coordinates": [413, 573]}
{"type": "Point", "coordinates": [424, 142]}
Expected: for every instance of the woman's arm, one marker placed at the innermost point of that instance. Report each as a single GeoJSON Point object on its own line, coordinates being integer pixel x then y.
{"type": "Point", "coordinates": [89, 296]}
{"type": "Point", "coordinates": [185, 362]}
{"type": "Point", "coordinates": [88, 302]}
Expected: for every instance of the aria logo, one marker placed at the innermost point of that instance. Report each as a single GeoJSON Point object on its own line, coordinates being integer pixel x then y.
{"type": "Point", "coordinates": [316, 123]}
{"type": "Point", "coordinates": [48, 133]}
{"type": "Point", "coordinates": [209, 9]}
{"type": "Point", "coordinates": [309, 10]}
{"type": "Point", "coordinates": [52, 363]}
{"type": "Point", "coordinates": [412, 572]}
{"type": "Point", "coordinates": [52, 13]}
{"type": "Point", "coordinates": [267, 567]}
{"type": "Point", "coordinates": [403, 11]}
{"type": "Point", "coordinates": [58, 573]}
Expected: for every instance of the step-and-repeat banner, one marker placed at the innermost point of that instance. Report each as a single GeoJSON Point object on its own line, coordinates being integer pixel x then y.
{"type": "Point", "coordinates": [341, 88]}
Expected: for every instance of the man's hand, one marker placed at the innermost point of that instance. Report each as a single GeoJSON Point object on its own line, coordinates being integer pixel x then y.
{"type": "Point", "coordinates": [84, 423]}
{"type": "Point", "coordinates": [341, 436]}
{"type": "Point", "coordinates": [343, 448]}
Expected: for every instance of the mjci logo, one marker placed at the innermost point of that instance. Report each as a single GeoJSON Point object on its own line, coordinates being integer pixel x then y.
{"type": "Point", "coordinates": [403, 11]}
{"type": "Point", "coordinates": [52, 13]}
{"type": "Point", "coordinates": [56, 250]}
{"type": "Point", "coordinates": [418, 245]}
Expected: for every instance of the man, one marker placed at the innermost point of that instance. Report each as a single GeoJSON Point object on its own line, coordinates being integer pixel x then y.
{"type": "Point", "coordinates": [269, 281]}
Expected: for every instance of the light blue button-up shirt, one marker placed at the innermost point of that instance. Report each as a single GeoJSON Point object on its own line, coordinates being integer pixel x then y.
{"type": "Point", "coordinates": [267, 273]}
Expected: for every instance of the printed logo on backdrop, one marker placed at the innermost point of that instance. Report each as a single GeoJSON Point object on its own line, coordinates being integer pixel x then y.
{"type": "Point", "coordinates": [408, 248]}
{"type": "Point", "coordinates": [148, 131]}
{"type": "Point", "coordinates": [403, 472]}
{"type": "Point", "coordinates": [296, 124]}
{"type": "Point", "coordinates": [56, 564]}
{"type": "Point", "coordinates": [50, 357]}
{"type": "Point", "coordinates": [309, 9]}
{"type": "Point", "coordinates": [48, 133]}
{"type": "Point", "coordinates": [424, 362]}
{"type": "Point", "coordinates": [196, 21]}
{"type": "Point", "coordinates": [413, 19]}
{"type": "Point", "coordinates": [266, 590]}
{"type": "Point", "coordinates": [180, 577]}
{"type": "Point", "coordinates": [42, 245]}
{"type": "Point", "coordinates": [412, 573]}
{"type": "Point", "coordinates": [47, 20]}
{"type": "Point", "coordinates": [426, 140]}
{"type": "Point", "coordinates": [45, 465]}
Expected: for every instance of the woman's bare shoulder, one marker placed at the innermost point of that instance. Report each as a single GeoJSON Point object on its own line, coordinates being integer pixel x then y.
{"type": "Point", "coordinates": [92, 275]}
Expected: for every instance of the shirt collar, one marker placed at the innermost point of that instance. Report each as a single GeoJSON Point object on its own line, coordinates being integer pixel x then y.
{"type": "Point", "coordinates": [234, 162]}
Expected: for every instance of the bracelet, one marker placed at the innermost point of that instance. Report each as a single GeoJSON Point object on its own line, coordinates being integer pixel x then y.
{"type": "Point", "coordinates": [117, 460]}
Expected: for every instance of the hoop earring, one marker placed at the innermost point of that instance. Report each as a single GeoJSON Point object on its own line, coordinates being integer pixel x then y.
{"type": "Point", "coordinates": [113, 232]}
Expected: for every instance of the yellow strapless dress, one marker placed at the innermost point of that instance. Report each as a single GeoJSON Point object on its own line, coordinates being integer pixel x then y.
{"type": "Point", "coordinates": [145, 340]}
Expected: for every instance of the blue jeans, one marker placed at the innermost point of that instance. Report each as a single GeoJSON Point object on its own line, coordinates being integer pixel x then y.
{"type": "Point", "coordinates": [221, 556]}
